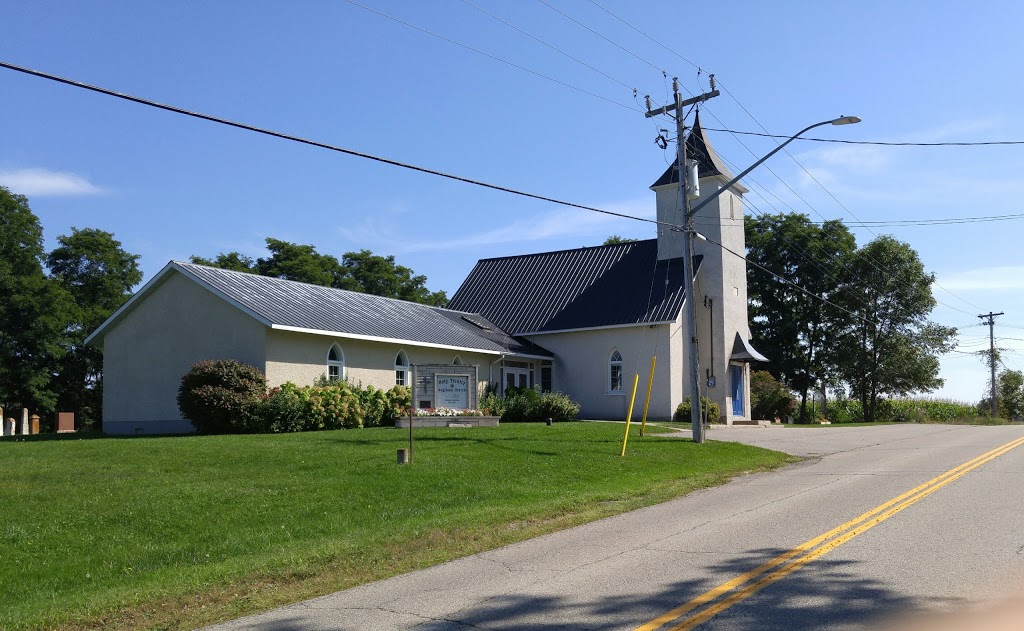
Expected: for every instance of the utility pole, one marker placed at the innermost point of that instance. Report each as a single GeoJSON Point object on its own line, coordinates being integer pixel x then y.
{"type": "Point", "coordinates": [992, 353]}
{"type": "Point", "coordinates": [686, 228]}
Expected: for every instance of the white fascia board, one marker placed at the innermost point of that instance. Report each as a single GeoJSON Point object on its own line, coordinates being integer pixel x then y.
{"type": "Point", "coordinates": [388, 340]}
{"type": "Point", "coordinates": [598, 328]}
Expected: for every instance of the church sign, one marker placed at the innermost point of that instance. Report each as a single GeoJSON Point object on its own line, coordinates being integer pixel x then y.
{"type": "Point", "coordinates": [451, 391]}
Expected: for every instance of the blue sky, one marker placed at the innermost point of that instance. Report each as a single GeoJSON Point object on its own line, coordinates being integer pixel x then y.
{"type": "Point", "coordinates": [169, 186]}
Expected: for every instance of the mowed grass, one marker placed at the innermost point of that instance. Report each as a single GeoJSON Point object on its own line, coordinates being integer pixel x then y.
{"type": "Point", "coordinates": [175, 532]}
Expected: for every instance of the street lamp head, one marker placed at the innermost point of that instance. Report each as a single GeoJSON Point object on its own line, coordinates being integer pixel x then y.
{"type": "Point", "coordinates": [846, 120]}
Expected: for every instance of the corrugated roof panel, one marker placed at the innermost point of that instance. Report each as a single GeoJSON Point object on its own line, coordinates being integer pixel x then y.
{"type": "Point", "coordinates": [571, 289]}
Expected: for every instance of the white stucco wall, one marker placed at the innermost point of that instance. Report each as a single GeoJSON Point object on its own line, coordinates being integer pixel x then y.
{"type": "Point", "coordinates": [302, 358]}
{"type": "Point", "coordinates": [721, 288]}
{"type": "Point", "coordinates": [581, 368]}
{"type": "Point", "coordinates": [146, 353]}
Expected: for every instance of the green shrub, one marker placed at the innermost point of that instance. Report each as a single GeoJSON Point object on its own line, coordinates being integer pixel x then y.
{"type": "Point", "coordinates": [492, 405]}
{"type": "Point", "coordinates": [222, 396]}
{"type": "Point", "coordinates": [844, 411]}
{"type": "Point", "coordinates": [374, 403]}
{"type": "Point", "coordinates": [709, 407]}
{"type": "Point", "coordinates": [526, 405]}
{"type": "Point", "coordinates": [770, 398]}
{"type": "Point", "coordinates": [555, 406]}
{"type": "Point", "coordinates": [901, 410]}
{"type": "Point", "coordinates": [399, 400]}
{"type": "Point", "coordinates": [285, 409]}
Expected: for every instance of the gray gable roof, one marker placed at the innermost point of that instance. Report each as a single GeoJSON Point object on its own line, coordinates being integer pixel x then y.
{"type": "Point", "coordinates": [289, 305]}
{"type": "Point", "coordinates": [609, 285]}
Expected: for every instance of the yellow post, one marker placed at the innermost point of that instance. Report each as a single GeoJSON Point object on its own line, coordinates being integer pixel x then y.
{"type": "Point", "coordinates": [629, 415]}
{"type": "Point", "coordinates": [647, 401]}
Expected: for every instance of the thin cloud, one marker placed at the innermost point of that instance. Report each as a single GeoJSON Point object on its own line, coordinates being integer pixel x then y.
{"type": "Point", "coordinates": [46, 183]}
{"type": "Point", "coordinates": [558, 224]}
{"type": "Point", "coordinates": [986, 279]}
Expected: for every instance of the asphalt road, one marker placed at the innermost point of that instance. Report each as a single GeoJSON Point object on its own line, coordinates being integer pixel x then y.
{"type": "Point", "coordinates": [953, 545]}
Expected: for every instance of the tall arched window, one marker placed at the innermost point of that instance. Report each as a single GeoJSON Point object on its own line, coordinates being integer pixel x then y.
{"type": "Point", "coordinates": [335, 363]}
{"type": "Point", "coordinates": [615, 372]}
{"type": "Point", "coordinates": [401, 369]}
{"type": "Point", "coordinates": [457, 361]}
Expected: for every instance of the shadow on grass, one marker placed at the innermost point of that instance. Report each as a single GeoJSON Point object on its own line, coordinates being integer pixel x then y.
{"type": "Point", "coordinates": [823, 595]}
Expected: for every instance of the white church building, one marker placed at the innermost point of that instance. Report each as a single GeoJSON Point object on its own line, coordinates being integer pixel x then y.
{"type": "Point", "coordinates": [584, 322]}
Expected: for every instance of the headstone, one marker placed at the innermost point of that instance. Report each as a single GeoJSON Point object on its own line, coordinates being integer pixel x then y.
{"type": "Point", "coordinates": [24, 421]}
{"type": "Point", "coordinates": [33, 425]}
{"type": "Point", "coordinates": [65, 422]}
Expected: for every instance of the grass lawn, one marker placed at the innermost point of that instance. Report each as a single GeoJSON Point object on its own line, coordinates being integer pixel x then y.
{"type": "Point", "coordinates": [174, 532]}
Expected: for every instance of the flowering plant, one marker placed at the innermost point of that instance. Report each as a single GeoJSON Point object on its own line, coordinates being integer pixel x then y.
{"type": "Point", "coordinates": [446, 412]}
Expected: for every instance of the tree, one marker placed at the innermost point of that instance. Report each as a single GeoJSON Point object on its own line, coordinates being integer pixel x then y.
{"type": "Point", "coordinates": [98, 274]}
{"type": "Point", "coordinates": [361, 271]}
{"type": "Point", "coordinates": [232, 261]}
{"type": "Point", "coordinates": [792, 327]}
{"type": "Point", "coordinates": [1010, 393]}
{"type": "Point", "coordinates": [616, 240]}
{"type": "Point", "coordinates": [381, 276]}
{"type": "Point", "coordinates": [34, 311]}
{"type": "Point", "coordinates": [891, 348]}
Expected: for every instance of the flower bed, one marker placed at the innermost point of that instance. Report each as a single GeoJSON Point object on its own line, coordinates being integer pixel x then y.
{"type": "Point", "coordinates": [447, 417]}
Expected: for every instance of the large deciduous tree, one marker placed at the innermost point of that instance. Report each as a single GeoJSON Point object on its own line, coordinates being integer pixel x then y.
{"type": "Point", "coordinates": [892, 349]}
{"type": "Point", "coordinates": [361, 271]}
{"type": "Point", "coordinates": [93, 267]}
{"type": "Point", "coordinates": [794, 328]}
{"type": "Point", "coordinates": [34, 311]}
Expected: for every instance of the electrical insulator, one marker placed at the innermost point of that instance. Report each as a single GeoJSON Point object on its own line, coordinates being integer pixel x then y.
{"type": "Point", "coordinates": [692, 183]}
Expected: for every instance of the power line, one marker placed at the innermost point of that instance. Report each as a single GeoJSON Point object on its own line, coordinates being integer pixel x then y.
{"type": "Point", "coordinates": [880, 143]}
{"type": "Point", "coordinates": [314, 143]}
{"type": "Point", "coordinates": [733, 97]}
{"type": "Point", "coordinates": [490, 56]}
{"type": "Point", "coordinates": [782, 279]}
{"type": "Point", "coordinates": [551, 46]}
{"type": "Point", "coordinates": [613, 43]}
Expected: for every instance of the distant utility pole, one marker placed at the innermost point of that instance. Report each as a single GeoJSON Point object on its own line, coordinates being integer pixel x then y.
{"type": "Point", "coordinates": [992, 353]}
{"type": "Point", "coordinates": [687, 229]}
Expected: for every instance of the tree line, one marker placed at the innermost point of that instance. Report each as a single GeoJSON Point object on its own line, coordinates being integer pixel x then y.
{"type": "Point", "coordinates": [860, 329]}
{"type": "Point", "coordinates": [51, 301]}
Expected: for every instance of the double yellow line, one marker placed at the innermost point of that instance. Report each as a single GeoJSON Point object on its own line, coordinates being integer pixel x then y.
{"type": "Point", "coordinates": [762, 576]}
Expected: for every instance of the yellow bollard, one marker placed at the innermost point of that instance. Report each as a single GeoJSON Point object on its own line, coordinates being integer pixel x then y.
{"type": "Point", "coordinates": [629, 415]}
{"type": "Point", "coordinates": [647, 401]}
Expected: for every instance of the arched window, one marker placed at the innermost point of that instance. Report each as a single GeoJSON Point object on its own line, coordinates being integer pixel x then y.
{"type": "Point", "coordinates": [401, 369]}
{"type": "Point", "coordinates": [457, 361]}
{"type": "Point", "coordinates": [615, 372]}
{"type": "Point", "coordinates": [335, 363]}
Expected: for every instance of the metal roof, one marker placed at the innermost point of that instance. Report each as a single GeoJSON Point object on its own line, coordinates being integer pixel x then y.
{"type": "Point", "coordinates": [290, 305]}
{"type": "Point", "coordinates": [611, 285]}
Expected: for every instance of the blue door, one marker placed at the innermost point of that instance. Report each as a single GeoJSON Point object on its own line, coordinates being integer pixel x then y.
{"type": "Point", "coordinates": [737, 390]}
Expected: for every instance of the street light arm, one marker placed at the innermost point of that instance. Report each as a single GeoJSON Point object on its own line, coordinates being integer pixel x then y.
{"type": "Point", "coordinates": [771, 153]}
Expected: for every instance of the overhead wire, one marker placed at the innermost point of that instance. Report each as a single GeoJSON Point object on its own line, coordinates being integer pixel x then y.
{"type": "Point", "coordinates": [878, 143]}
{"type": "Point", "coordinates": [490, 56]}
{"type": "Point", "coordinates": [322, 145]}
{"type": "Point", "coordinates": [724, 127]}
{"type": "Point", "coordinates": [551, 46]}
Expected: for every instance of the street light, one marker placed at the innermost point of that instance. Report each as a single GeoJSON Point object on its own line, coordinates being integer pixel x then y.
{"type": "Point", "coordinates": [691, 315]}
{"type": "Point", "coordinates": [842, 120]}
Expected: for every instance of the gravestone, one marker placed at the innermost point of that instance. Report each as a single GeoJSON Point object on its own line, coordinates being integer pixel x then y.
{"type": "Point", "coordinates": [33, 424]}
{"type": "Point", "coordinates": [24, 421]}
{"type": "Point", "coordinates": [65, 422]}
